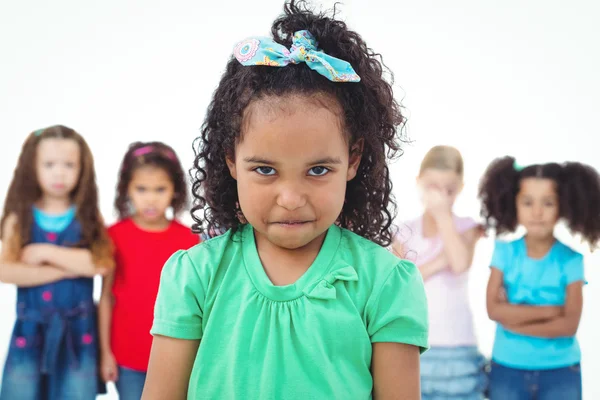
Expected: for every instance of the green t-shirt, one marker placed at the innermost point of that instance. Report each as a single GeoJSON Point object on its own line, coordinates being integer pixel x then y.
{"type": "Point", "coordinates": [308, 340]}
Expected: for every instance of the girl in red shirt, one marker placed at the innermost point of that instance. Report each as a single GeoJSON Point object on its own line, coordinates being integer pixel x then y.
{"type": "Point", "coordinates": [151, 181]}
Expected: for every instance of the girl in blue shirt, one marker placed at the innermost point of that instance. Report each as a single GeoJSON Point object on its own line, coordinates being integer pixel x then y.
{"type": "Point", "coordinates": [535, 288]}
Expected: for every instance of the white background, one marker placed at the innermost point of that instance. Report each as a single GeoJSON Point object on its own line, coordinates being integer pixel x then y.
{"type": "Point", "coordinates": [492, 78]}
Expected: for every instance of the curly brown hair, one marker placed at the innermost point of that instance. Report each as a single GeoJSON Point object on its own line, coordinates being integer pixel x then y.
{"type": "Point", "coordinates": [156, 154]}
{"type": "Point", "coordinates": [578, 189]}
{"type": "Point", "coordinates": [24, 191]}
{"type": "Point", "coordinates": [370, 114]}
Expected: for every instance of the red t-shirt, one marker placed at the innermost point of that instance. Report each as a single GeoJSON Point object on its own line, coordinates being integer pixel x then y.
{"type": "Point", "coordinates": [140, 256]}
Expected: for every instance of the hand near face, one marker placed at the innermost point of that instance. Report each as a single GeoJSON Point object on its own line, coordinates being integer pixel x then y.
{"type": "Point", "coordinates": [437, 202]}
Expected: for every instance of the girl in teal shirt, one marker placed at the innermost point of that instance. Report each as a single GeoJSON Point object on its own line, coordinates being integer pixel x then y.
{"type": "Point", "coordinates": [300, 299]}
{"type": "Point", "coordinates": [535, 286]}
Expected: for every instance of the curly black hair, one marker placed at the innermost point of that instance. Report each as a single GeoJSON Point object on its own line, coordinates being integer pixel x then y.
{"type": "Point", "coordinates": [156, 154]}
{"type": "Point", "coordinates": [370, 113]}
{"type": "Point", "coordinates": [578, 189]}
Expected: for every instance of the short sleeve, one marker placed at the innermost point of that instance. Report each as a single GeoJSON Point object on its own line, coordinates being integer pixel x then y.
{"type": "Point", "coordinates": [398, 312]}
{"type": "Point", "coordinates": [180, 302]}
{"type": "Point", "coordinates": [501, 256]}
{"type": "Point", "coordinates": [465, 224]}
{"type": "Point", "coordinates": [574, 270]}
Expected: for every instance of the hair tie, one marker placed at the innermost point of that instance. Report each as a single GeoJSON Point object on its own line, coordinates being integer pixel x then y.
{"type": "Point", "coordinates": [39, 132]}
{"type": "Point", "coordinates": [149, 149]}
{"type": "Point", "coordinates": [265, 51]}
{"type": "Point", "coordinates": [518, 167]}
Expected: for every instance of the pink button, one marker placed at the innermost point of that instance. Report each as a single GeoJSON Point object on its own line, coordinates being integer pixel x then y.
{"type": "Point", "coordinates": [21, 342]}
{"type": "Point", "coordinates": [87, 338]}
{"type": "Point", "coordinates": [51, 236]}
{"type": "Point", "coordinates": [47, 295]}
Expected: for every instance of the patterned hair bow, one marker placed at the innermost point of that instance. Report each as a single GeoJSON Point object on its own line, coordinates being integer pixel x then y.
{"type": "Point", "coordinates": [265, 51]}
{"type": "Point", "coordinates": [518, 167]}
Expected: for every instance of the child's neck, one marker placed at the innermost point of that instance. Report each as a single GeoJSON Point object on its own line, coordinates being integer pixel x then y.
{"type": "Point", "coordinates": [538, 247]}
{"type": "Point", "coordinates": [152, 226]}
{"type": "Point", "coordinates": [53, 205]}
{"type": "Point", "coordinates": [285, 266]}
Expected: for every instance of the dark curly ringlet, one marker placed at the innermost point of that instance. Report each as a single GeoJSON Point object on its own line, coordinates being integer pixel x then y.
{"type": "Point", "coordinates": [24, 191]}
{"type": "Point", "coordinates": [368, 112]}
{"type": "Point", "coordinates": [578, 188]}
{"type": "Point", "coordinates": [161, 156]}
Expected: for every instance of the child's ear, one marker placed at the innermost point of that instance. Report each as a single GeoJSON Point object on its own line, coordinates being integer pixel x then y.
{"type": "Point", "coordinates": [231, 165]}
{"type": "Point", "coordinates": [356, 152]}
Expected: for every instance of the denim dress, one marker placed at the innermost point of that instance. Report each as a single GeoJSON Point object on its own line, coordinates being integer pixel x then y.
{"type": "Point", "coordinates": [53, 351]}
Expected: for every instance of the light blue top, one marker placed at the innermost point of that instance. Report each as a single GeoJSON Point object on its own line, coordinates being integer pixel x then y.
{"type": "Point", "coordinates": [54, 222]}
{"type": "Point", "coordinates": [538, 282]}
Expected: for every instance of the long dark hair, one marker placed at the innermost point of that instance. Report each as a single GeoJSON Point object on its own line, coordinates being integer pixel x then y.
{"type": "Point", "coordinates": [24, 191]}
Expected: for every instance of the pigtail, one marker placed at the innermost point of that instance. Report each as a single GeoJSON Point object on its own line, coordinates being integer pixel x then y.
{"type": "Point", "coordinates": [580, 200]}
{"type": "Point", "coordinates": [498, 191]}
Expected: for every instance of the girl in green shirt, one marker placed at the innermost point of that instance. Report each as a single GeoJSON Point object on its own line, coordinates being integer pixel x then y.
{"type": "Point", "coordinates": [300, 298]}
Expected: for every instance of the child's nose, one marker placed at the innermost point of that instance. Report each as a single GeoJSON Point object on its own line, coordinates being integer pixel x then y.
{"type": "Point", "coordinates": [291, 197]}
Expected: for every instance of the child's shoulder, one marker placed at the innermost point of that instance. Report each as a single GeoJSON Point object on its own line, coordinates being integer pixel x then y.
{"type": "Point", "coordinates": [567, 253]}
{"type": "Point", "coordinates": [370, 259]}
{"type": "Point", "coordinates": [122, 225]}
{"type": "Point", "coordinates": [464, 223]}
{"type": "Point", "coordinates": [215, 245]}
{"type": "Point", "coordinates": [178, 226]}
{"type": "Point", "coordinates": [182, 230]}
{"type": "Point", "coordinates": [380, 274]}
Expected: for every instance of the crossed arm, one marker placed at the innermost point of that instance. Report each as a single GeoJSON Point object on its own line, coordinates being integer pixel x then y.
{"type": "Point", "coordinates": [42, 263]}
{"type": "Point", "coordinates": [540, 321]}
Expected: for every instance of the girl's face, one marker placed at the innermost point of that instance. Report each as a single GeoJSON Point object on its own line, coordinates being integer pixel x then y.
{"type": "Point", "coordinates": [446, 182]}
{"type": "Point", "coordinates": [58, 165]}
{"type": "Point", "coordinates": [538, 206]}
{"type": "Point", "coordinates": [151, 192]}
{"type": "Point", "coordinates": [291, 167]}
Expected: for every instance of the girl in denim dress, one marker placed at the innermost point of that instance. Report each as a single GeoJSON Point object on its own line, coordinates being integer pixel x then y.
{"type": "Point", "coordinates": [54, 242]}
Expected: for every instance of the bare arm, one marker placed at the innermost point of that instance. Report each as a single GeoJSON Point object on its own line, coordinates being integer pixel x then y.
{"type": "Point", "coordinates": [458, 248]}
{"type": "Point", "coordinates": [75, 261]}
{"type": "Point", "coordinates": [507, 314]}
{"type": "Point", "coordinates": [395, 370]}
{"type": "Point", "coordinates": [427, 270]}
{"type": "Point", "coordinates": [105, 308]}
{"type": "Point", "coordinates": [170, 367]}
{"type": "Point", "coordinates": [19, 273]}
{"type": "Point", "coordinates": [108, 365]}
{"type": "Point", "coordinates": [563, 326]}
{"type": "Point", "coordinates": [436, 265]}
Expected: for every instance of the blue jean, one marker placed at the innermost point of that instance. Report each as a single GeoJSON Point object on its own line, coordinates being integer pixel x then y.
{"type": "Point", "coordinates": [130, 384]}
{"type": "Point", "coordinates": [552, 384]}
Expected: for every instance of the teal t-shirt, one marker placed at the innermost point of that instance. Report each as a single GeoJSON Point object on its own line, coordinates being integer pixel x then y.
{"type": "Point", "coordinates": [537, 282]}
{"type": "Point", "coordinates": [308, 340]}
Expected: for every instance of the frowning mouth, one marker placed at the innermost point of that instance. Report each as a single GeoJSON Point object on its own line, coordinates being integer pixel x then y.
{"type": "Point", "coordinates": [291, 222]}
